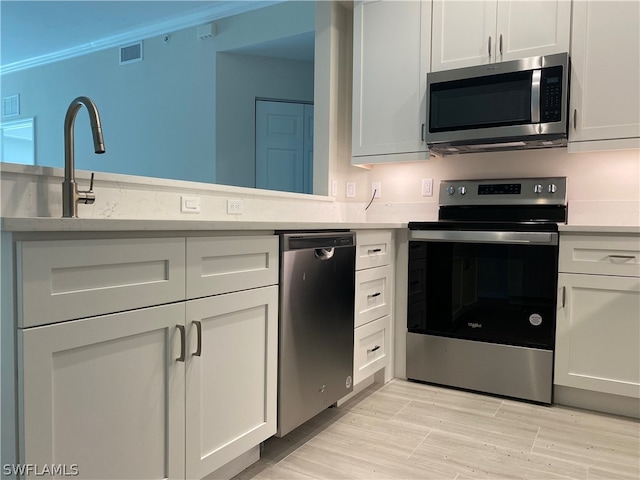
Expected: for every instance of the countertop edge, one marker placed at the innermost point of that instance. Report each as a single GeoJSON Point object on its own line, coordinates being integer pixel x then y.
{"type": "Point", "coordinates": [634, 229]}
{"type": "Point", "coordinates": [46, 224]}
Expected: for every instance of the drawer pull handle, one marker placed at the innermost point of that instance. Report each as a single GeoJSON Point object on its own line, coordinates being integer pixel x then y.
{"type": "Point", "coordinates": [622, 257]}
{"type": "Point", "coordinates": [374, 295]}
{"type": "Point", "coordinates": [374, 250]}
{"type": "Point", "coordinates": [198, 351]}
{"type": "Point", "coordinates": [183, 343]}
{"type": "Point", "coordinates": [371, 350]}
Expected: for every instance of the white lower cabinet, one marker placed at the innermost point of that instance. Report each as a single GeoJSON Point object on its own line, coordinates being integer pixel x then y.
{"type": "Point", "coordinates": [167, 391]}
{"type": "Point", "coordinates": [373, 348]}
{"type": "Point", "coordinates": [105, 395]}
{"type": "Point", "coordinates": [598, 332]}
{"type": "Point", "coordinates": [230, 376]}
{"type": "Point", "coordinates": [598, 322]}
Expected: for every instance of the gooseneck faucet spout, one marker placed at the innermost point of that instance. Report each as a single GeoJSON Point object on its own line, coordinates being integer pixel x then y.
{"type": "Point", "coordinates": [71, 196]}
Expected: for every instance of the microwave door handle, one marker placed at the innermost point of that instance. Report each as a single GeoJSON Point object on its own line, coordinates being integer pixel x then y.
{"type": "Point", "coordinates": [535, 96]}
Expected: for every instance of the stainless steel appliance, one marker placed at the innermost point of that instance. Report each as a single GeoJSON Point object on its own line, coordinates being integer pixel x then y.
{"type": "Point", "coordinates": [500, 106]}
{"type": "Point", "coordinates": [317, 291]}
{"type": "Point", "coordinates": [483, 287]}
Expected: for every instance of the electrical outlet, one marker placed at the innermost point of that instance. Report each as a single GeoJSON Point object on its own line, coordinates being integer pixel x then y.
{"type": "Point", "coordinates": [427, 187]}
{"type": "Point", "coordinates": [235, 206]}
{"type": "Point", "coordinates": [376, 189]}
{"type": "Point", "coordinates": [351, 189]}
{"type": "Point", "coordinates": [334, 188]}
{"type": "Point", "coordinates": [189, 204]}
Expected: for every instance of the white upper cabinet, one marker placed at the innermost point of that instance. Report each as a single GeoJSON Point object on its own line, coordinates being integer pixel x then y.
{"type": "Point", "coordinates": [390, 61]}
{"type": "Point", "coordinates": [605, 74]}
{"type": "Point", "coordinates": [467, 33]}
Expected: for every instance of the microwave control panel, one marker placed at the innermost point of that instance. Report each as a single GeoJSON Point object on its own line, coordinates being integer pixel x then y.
{"type": "Point", "coordinates": [551, 95]}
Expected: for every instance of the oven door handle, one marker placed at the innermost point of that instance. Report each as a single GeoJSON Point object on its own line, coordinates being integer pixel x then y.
{"type": "Point", "coordinates": [472, 236]}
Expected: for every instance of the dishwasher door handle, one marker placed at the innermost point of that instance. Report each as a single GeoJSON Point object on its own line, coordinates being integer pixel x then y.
{"type": "Point", "coordinates": [324, 253]}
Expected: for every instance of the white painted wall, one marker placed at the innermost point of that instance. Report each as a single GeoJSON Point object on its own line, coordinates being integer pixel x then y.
{"type": "Point", "coordinates": [158, 115]}
{"type": "Point", "coordinates": [240, 79]}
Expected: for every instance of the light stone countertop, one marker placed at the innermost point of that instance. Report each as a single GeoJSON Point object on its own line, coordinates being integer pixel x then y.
{"type": "Point", "coordinates": [599, 229]}
{"type": "Point", "coordinates": [48, 224]}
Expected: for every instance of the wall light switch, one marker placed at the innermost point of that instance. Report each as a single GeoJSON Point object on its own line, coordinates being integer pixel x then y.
{"type": "Point", "coordinates": [427, 187]}
{"type": "Point", "coordinates": [189, 204]}
{"type": "Point", "coordinates": [351, 189]}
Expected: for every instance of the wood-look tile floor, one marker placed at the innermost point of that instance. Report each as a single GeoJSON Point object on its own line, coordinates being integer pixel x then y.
{"type": "Point", "coordinates": [406, 430]}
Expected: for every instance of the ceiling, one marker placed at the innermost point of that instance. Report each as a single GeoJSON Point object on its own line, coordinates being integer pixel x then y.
{"type": "Point", "coordinates": [37, 29]}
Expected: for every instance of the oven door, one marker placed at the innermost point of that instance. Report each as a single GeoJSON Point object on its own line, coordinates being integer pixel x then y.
{"type": "Point", "coordinates": [489, 286]}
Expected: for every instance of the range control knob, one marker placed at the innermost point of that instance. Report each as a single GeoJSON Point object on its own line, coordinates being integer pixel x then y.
{"type": "Point", "coordinates": [538, 189]}
{"type": "Point", "coordinates": [450, 190]}
{"type": "Point", "coordinates": [462, 190]}
{"type": "Point", "coordinates": [552, 188]}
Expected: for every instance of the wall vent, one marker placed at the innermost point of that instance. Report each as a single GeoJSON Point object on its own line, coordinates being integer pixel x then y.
{"type": "Point", "coordinates": [11, 105]}
{"type": "Point", "coordinates": [131, 53]}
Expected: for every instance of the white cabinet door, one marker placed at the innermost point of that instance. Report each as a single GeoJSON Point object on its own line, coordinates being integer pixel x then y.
{"type": "Point", "coordinates": [230, 377]}
{"type": "Point", "coordinates": [390, 61]}
{"type": "Point", "coordinates": [598, 334]}
{"type": "Point", "coordinates": [532, 28]}
{"type": "Point", "coordinates": [467, 33]}
{"type": "Point", "coordinates": [462, 32]}
{"type": "Point", "coordinates": [105, 394]}
{"type": "Point", "coordinates": [605, 73]}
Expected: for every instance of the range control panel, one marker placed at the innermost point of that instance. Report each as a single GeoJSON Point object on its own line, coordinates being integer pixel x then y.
{"type": "Point", "coordinates": [523, 191]}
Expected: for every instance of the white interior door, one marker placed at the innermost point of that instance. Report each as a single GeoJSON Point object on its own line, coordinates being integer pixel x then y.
{"type": "Point", "coordinates": [283, 162]}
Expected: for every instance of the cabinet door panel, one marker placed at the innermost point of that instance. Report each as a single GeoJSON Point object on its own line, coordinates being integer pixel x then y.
{"type": "Point", "coordinates": [391, 53]}
{"type": "Point", "coordinates": [598, 334]}
{"type": "Point", "coordinates": [461, 31]}
{"type": "Point", "coordinates": [605, 71]}
{"type": "Point", "coordinates": [106, 394]}
{"type": "Point", "coordinates": [231, 386]}
{"type": "Point", "coordinates": [532, 28]}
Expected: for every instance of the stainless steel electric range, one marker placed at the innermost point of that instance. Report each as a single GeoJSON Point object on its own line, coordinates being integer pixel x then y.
{"type": "Point", "coordinates": [483, 287]}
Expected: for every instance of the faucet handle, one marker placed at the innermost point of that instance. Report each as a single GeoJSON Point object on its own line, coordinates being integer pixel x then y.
{"type": "Point", "coordinates": [87, 197]}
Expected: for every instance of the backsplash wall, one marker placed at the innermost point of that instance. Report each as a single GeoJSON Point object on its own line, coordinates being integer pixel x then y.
{"type": "Point", "coordinates": [602, 187]}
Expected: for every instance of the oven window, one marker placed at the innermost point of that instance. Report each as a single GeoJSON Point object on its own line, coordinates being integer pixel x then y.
{"type": "Point", "coordinates": [489, 292]}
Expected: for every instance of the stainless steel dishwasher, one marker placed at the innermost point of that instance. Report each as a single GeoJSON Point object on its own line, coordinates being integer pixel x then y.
{"type": "Point", "coordinates": [315, 356]}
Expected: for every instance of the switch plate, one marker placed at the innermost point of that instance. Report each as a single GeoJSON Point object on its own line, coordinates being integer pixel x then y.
{"type": "Point", "coordinates": [427, 187]}
{"type": "Point", "coordinates": [235, 206]}
{"type": "Point", "coordinates": [189, 204]}
{"type": "Point", "coordinates": [351, 189]}
{"type": "Point", "coordinates": [377, 188]}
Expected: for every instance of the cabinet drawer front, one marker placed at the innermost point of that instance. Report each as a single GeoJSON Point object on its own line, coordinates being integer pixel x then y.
{"type": "Point", "coordinates": [374, 249]}
{"type": "Point", "coordinates": [226, 264]}
{"type": "Point", "coordinates": [371, 348]}
{"type": "Point", "coordinates": [373, 294]}
{"type": "Point", "coordinates": [67, 279]}
{"type": "Point", "coordinates": [600, 254]}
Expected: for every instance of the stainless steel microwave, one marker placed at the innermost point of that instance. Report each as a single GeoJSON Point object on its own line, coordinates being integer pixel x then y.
{"type": "Point", "coordinates": [512, 105]}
